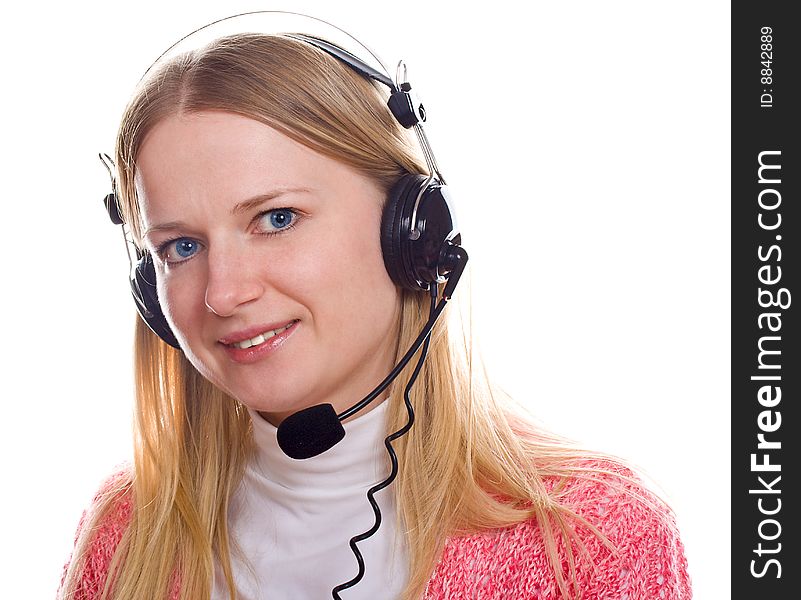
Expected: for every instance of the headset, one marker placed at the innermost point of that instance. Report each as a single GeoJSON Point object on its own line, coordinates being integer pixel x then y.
{"type": "Point", "coordinates": [421, 247]}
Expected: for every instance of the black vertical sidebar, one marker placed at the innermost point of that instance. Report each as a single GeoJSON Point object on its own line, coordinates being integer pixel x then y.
{"type": "Point", "coordinates": [766, 302]}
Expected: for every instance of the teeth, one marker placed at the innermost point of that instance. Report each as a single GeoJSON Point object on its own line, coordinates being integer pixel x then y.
{"type": "Point", "coordinates": [260, 339]}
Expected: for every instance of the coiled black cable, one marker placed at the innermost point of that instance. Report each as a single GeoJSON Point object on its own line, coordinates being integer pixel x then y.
{"type": "Point", "coordinates": [393, 459]}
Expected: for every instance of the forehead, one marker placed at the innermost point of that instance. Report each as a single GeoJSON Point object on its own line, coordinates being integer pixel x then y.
{"type": "Point", "coordinates": [216, 159]}
{"type": "Point", "coordinates": [218, 150]}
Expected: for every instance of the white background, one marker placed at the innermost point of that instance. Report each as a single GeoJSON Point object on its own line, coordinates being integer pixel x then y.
{"type": "Point", "coordinates": [587, 147]}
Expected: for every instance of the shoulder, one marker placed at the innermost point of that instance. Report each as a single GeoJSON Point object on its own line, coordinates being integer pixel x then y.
{"type": "Point", "coordinates": [638, 553]}
{"type": "Point", "coordinates": [100, 530]}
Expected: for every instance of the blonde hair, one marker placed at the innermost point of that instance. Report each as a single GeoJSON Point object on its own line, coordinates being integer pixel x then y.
{"type": "Point", "coordinates": [468, 464]}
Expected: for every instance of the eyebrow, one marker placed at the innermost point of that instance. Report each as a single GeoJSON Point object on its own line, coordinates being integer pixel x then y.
{"type": "Point", "coordinates": [250, 203]}
{"type": "Point", "coordinates": [239, 208]}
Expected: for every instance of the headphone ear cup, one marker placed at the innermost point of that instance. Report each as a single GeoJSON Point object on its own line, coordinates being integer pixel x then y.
{"type": "Point", "coordinates": [396, 226]}
{"type": "Point", "coordinates": [143, 288]}
{"type": "Point", "coordinates": [415, 262]}
{"type": "Point", "coordinates": [113, 208]}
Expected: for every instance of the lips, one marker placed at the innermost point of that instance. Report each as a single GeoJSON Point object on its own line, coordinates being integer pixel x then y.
{"type": "Point", "coordinates": [261, 338]}
{"type": "Point", "coordinates": [254, 336]}
{"type": "Point", "coordinates": [253, 344]}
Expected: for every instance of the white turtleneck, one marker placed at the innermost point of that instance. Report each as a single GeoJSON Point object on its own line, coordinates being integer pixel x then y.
{"type": "Point", "coordinates": [291, 520]}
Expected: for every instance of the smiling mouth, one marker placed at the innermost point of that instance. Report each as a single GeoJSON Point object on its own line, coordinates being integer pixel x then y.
{"type": "Point", "coordinates": [261, 338]}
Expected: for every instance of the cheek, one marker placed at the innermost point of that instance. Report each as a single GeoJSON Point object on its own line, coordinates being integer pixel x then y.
{"type": "Point", "coordinates": [354, 261]}
{"type": "Point", "coordinates": [181, 298]}
{"type": "Point", "coordinates": [344, 278]}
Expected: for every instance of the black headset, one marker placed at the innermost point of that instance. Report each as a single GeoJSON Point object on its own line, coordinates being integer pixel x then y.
{"type": "Point", "coordinates": [420, 240]}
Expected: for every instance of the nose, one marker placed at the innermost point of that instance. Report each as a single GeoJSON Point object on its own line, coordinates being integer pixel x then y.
{"type": "Point", "coordinates": [233, 281]}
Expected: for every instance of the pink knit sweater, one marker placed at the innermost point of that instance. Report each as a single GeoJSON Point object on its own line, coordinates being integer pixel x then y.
{"type": "Point", "coordinates": [511, 564]}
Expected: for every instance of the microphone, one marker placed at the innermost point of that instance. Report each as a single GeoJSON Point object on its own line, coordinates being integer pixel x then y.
{"type": "Point", "coordinates": [312, 431]}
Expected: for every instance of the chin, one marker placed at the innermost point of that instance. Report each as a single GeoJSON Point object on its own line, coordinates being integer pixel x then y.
{"type": "Point", "coordinates": [286, 398]}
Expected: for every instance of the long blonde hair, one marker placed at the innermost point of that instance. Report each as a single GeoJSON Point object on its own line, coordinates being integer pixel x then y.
{"type": "Point", "coordinates": [468, 464]}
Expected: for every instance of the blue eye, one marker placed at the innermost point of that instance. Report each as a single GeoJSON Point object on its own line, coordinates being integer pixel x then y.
{"type": "Point", "coordinates": [179, 250]}
{"type": "Point", "coordinates": [277, 219]}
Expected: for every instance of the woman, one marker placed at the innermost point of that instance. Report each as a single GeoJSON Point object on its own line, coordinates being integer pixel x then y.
{"type": "Point", "coordinates": [255, 172]}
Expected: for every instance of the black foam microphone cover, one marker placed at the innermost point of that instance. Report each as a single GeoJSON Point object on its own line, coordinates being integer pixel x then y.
{"type": "Point", "coordinates": [310, 432]}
